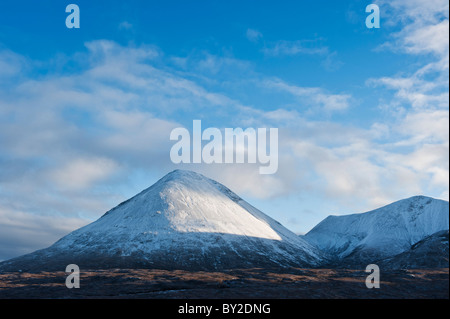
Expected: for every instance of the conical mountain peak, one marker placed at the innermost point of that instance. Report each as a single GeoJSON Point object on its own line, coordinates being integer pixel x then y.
{"type": "Point", "coordinates": [184, 221]}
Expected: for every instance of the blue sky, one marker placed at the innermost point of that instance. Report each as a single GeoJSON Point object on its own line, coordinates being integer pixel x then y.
{"type": "Point", "coordinates": [85, 114]}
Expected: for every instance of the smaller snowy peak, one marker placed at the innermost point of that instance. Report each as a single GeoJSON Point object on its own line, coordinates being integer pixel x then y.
{"type": "Point", "coordinates": [383, 232]}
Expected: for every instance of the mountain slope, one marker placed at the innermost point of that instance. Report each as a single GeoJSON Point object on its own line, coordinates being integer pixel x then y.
{"type": "Point", "coordinates": [430, 252]}
{"type": "Point", "coordinates": [184, 221]}
{"type": "Point", "coordinates": [384, 232]}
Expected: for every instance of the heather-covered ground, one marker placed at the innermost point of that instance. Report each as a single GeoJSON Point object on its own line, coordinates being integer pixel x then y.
{"type": "Point", "coordinates": [243, 283]}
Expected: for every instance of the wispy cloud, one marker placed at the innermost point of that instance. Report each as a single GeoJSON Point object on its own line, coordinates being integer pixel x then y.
{"type": "Point", "coordinates": [253, 35]}
{"type": "Point", "coordinates": [289, 48]}
{"type": "Point", "coordinates": [313, 98]}
{"type": "Point", "coordinates": [283, 48]}
{"type": "Point", "coordinates": [125, 25]}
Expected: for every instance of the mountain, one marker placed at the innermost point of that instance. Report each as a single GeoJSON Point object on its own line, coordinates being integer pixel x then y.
{"type": "Point", "coordinates": [430, 252]}
{"type": "Point", "coordinates": [183, 221]}
{"type": "Point", "coordinates": [361, 239]}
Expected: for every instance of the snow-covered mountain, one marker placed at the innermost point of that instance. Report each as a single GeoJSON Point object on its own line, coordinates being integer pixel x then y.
{"type": "Point", "coordinates": [381, 233]}
{"type": "Point", "coordinates": [183, 221]}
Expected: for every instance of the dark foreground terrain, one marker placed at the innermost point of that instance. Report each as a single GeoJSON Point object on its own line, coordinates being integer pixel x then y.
{"type": "Point", "coordinates": [234, 284]}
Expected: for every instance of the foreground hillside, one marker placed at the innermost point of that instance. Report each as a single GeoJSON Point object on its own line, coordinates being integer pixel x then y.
{"type": "Point", "coordinates": [294, 283]}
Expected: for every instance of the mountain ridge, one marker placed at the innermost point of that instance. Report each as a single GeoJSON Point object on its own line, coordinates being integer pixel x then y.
{"type": "Point", "coordinates": [358, 239]}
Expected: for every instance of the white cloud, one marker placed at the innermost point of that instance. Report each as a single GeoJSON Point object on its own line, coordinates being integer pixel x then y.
{"type": "Point", "coordinates": [82, 173]}
{"type": "Point", "coordinates": [428, 39]}
{"type": "Point", "coordinates": [253, 35]}
{"type": "Point", "coordinates": [11, 64]}
{"type": "Point", "coordinates": [425, 126]}
{"type": "Point", "coordinates": [22, 233]}
{"type": "Point", "coordinates": [356, 171]}
{"type": "Point", "coordinates": [424, 26]}
{"type": "Point", "coordinates": [416, 90]}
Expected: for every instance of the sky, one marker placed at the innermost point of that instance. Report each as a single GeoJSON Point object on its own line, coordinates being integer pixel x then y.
{"type": "Point", "coordinates": [86, 113]}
